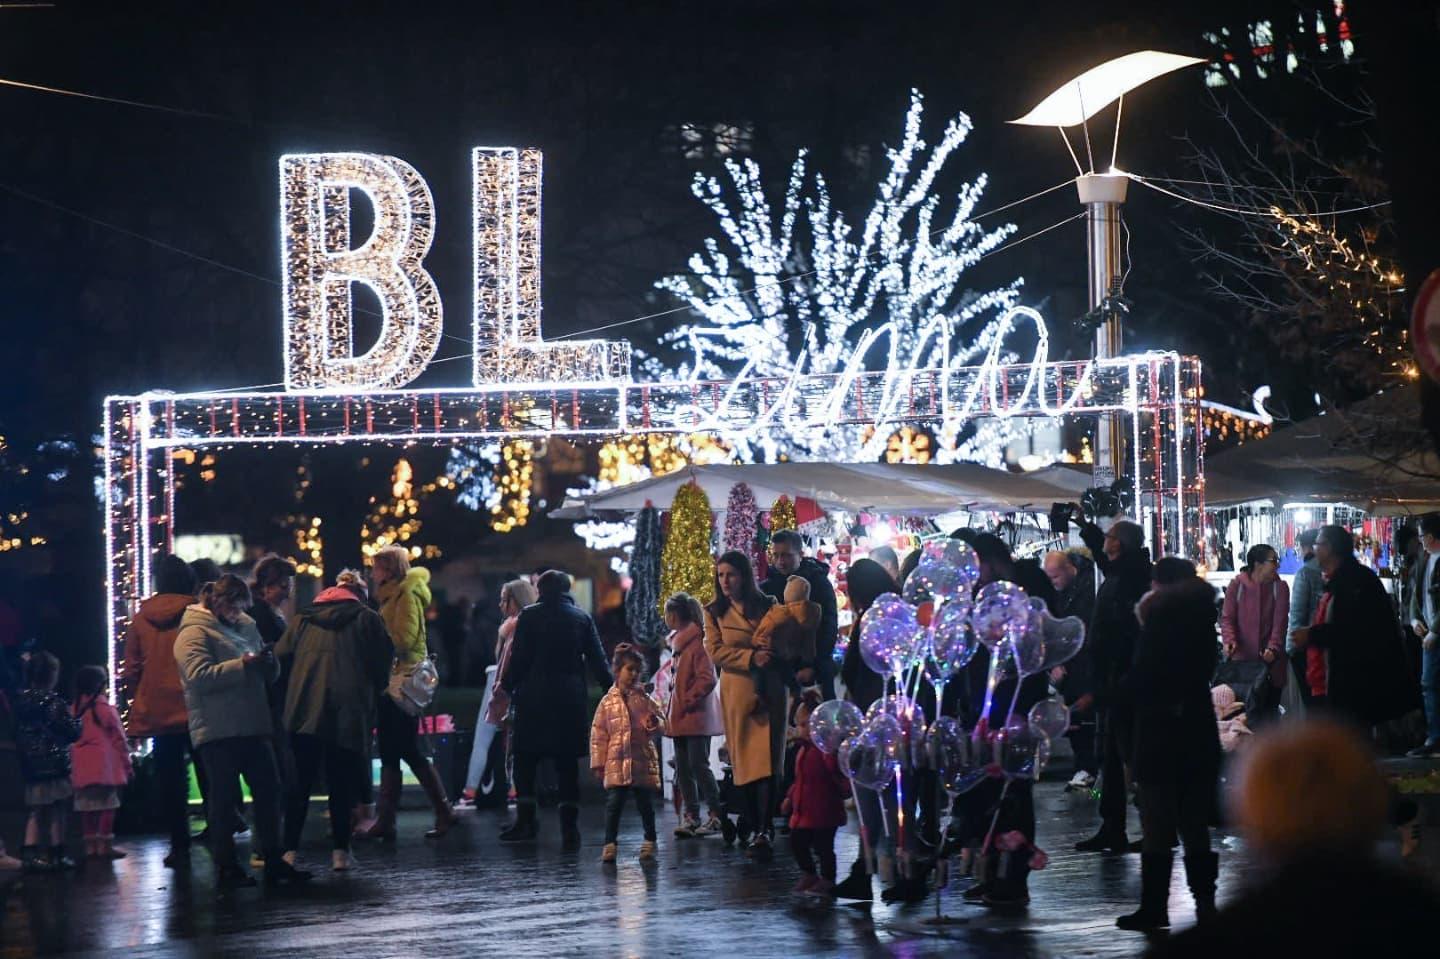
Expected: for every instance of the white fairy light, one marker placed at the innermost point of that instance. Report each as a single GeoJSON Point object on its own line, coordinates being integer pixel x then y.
{"type": "Point", "coordinates": [319, 266]}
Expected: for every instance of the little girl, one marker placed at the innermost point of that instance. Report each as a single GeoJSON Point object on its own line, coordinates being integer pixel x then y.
{"type": "Point", "coordinates": [44, 730]}
{"type": "Point", "coordinates": [815, 805]}
{"type": "Point", "coordinates": [101, 763]}
{"type": "Point", "coordinates": [694, 715]}
{"type": "Point", "coordinates": [622, 750]}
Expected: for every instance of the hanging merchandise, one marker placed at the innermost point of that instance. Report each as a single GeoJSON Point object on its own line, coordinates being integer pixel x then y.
{"type": "Point", "coordinates": [742, 516]}
{"type": "Point", "coordinates": [782, 515]}
{"type": "Point", "coordinates": [643, 605]}
{"type": "Point", "coordinates": [686, 564]}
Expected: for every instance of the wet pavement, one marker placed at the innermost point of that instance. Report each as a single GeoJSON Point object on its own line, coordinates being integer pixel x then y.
{"type": "Point", "coordinates": [470, 895]}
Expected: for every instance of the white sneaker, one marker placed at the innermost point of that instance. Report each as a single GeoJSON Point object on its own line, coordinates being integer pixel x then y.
{"type": "Point", "coordinates": [341, 860]}
{"type": "Point", "coordinates": [1081, 780]}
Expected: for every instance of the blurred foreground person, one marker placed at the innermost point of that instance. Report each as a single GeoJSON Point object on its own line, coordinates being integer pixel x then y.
{"type": "Point", "coordinates": [1322, 891]}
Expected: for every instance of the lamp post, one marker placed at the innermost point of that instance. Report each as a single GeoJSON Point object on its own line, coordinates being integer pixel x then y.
{"type": "Point", "coordinates": [1103, 196]}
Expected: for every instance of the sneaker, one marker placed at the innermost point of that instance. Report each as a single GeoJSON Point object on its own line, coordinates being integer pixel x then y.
{"type": "Point", "coordinates": [609, 852]}
{"type": "Point", "coordinates": [804, 885]}
{"type": "Point", "coordinates": [710, 827]}
{"type": "Point", "coordinates": [341, 860]}
{"type": "Point", "coordinates": [689, 828]}
{"type": "Point", "coordinates": [1431, 748]}
{"type": "Point", "coordinates": [760, 846]}
{"type": "Point", "coordinates": [647, 851]}
{"type": "Point", "coordinates": [1081, 780]}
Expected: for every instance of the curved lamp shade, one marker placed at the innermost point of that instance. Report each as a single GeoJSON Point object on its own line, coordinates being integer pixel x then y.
{"type": "Point", "coordinates": [1092, 91]}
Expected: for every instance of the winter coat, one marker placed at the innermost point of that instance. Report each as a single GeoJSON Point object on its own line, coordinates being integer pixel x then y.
{"type": "Point", "coordinates": [788, 631]}
{"type": "Point", "coordinates": [1077, 599]}
{"type": "Point", "coordinates": [621, 748]}
{"type": "Point", "coordinates": [499, 698]}
{"type": "Point", "coordinates": [756, 740]}
{"type": "Point", "coordinates": [695, 695]}
{"type": "Point", "coordinates": [555, 645]}
{"type": "Point", "coordinates": [1255, 619]}
{"type": "Point", "coordinates": [1304, 597]}
{"type": "Point", "coordinates": [402, 605]}
{"type": "Point", "coordinates": [224, 697]}
{"type": "Point", "coordinates": [1114, 630]}
{"type": "Point", "coordinates": [1367, 677]}
{"type": "Point", "coordinates": [817, 796]}
{"type": "Point", "coordinates": [817, 574]}
{"type": "Point", "coordinates": [271, 626]}
{"type": "Point", "coordinates": [1176, 739]}
{"type": "Point", "coordinates": [338, 655]}
{"type": "Point", "coordinates": [100, 756]}
{"type": "Point", "coordinates": [149, 676]}
{"type": "Point", "coordinates": [44, 730]}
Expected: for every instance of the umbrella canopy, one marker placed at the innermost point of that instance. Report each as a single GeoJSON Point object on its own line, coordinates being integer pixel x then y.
{"type": "Point", "coordinates": [892, 489]}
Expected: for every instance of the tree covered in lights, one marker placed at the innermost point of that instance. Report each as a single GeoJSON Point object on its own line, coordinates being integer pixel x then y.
{"type": "Point", "coordinates": [803, 284]}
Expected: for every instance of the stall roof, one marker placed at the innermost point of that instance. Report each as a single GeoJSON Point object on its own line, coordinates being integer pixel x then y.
{"type": "Point", "coordinates": [895, 489]}
{"type": "Point", "coordinates": [1367, 455]}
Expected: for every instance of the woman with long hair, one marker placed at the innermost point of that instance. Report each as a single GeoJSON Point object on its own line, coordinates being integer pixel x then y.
{"type": "Point", "coordinates": [514, 596]}
{"type": "Point", "coordinates": [755, 736]}
{"type": "Point", "coordinates": [1256, 614]}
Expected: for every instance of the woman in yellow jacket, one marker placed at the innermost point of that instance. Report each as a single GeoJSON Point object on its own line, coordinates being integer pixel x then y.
{"type": "Point", "coordinates": [404, 595]}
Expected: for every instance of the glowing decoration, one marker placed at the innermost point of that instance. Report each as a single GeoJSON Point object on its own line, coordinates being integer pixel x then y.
{"type": "Point", "coordinates": [908, 445]}
{"type": "Point", "coordinates": [395, 522]}
{"type": "Point", "coordinates": [506, 185]}
{"type": "Point", "coordinates": [319, 265]}
{"type": "Point", "coordinates": [782, 515]}
{"type": "Point", "coordinates": [311, 548]}
{"type": "Point", "coordinates": [889, 634]}
{"type": "Point", "coordinates": [511, 508]}
{"type": "Point", "coordinates": [686, 564]}
{"type": "Point", "coordinates": [834, 721]}
{"type": "Point", "coordinates": [1080, 99]}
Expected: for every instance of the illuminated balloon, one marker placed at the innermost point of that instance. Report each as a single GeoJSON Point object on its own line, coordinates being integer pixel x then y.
{"type": "Point", "coordinates": [1063, 639]}
{"type": "Point", "coordinates": [832, 722]}
{"type": "Point", "coordinates": [1050, 716]}
{"type": "Point", "coordinates": [1028, 644]}
{"type": "Point", "coordinates": [959, 556]}
{"type": "Point", "coordinates": [952, 643]}
{"type": "Point", "coordinates": [1020, 750]}
{"type": "Point", "coordinates": [886, 732]}
{"type": "Point", "coordinates": [863, 759]}
{"type": "Point", "coordinates": [889, 634]}
{"type": "Point", "coordinates": [1002, 611]}
{"type": "Point", "coordinates": [947, 569]}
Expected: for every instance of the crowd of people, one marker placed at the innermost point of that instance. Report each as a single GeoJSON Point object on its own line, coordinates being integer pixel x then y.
{"type": "Point", "coordinates": [213, 670]}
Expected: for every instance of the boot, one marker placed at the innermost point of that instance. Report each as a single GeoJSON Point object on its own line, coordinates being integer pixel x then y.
{"type": "Point", "coordinates": [857, 885]}
{"type": "Point", "coordinates": [435, 791]}
{"type": "Point", "coordinates": [32, 861]}
{"type": "Point", "coordinates": [981, 885]}
{"type": "Point", "coordinates": [1108, 839]}
{"type": "Point", "coordinates": [524, 828]}
{"type": "Point", "coordinates": [569, 826]}
{"type": "Point", "coordinates": [280, 870]}
{"type": "Point", "coordinates": [1154, 912]}
{"type": "Point", "coordinates": [387, 801]}
{"type": "Point", "coordinates": [59, 860]}
{"type": "Point", "coordinates": [1201, 870]}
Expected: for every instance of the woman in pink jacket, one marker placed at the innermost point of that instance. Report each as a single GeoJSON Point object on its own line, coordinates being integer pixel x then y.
{"type": "Point", "coordinates": [99, 763]}
{"type": "Point", "coordinates": [1257, 608]}
{"type": "Point", "coordinates": [694, 715]}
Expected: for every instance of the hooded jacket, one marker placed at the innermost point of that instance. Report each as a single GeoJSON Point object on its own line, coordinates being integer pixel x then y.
{"type": "Point", "coordinates": [338, 656]}
{"type": "Point", "coordinates": [402, 605]}
{"type": "Point", "coordinates": [149, 676]}
{"type": "Point", "coordinates": [225, 698]}
{"type": "Point", "coordinates": [695, 700]}
{"type": "Point", "coordinates": [99, 757]}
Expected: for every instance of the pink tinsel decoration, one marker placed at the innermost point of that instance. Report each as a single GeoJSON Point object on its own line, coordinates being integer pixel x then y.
{"type": "Point", "coordinates": [741, 517]}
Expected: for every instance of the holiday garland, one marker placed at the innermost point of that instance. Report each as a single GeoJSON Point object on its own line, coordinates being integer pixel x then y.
{"type": "Point", "coordinates": [741, 518]}
{"type": "Point", "coordinates": [782, 515]}
{"type": "Point", "coordinates": [642, 603]}
{"type": "Point", "coordinates": [686, 565]}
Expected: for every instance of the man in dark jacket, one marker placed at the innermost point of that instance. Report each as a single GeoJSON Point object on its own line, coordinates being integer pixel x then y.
{"type": "Point", "coordinates": [787, 558]}
{"type": "Point", "coordinates": [1355, 662]}
{"type": "Point", "coordinates": [1122, 559]}
{"type": "Point", "coordinates": [555, 644]}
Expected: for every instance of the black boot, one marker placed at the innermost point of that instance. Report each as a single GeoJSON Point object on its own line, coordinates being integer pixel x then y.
{"type": "Point", "coordinates": [32, 861]}
{"type": "Point", "coordinates": [856, 886]}
{"type": "Point", "coordinates": [1108, 839]}
{"type": "Point", "coordinates": [58, 859]}
{"type": "Point", "coordinates": [569, 826]}
{"type": "Point", "coordinates": [524, 829]}
{"type": "Point", "coordinates": [1201, 870]}
{"type": "Point", "coordinates": [278, 871]}
{"type": "Point", "coordinates": [1154, 911]}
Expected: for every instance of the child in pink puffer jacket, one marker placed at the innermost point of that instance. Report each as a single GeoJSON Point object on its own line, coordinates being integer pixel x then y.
{"type": "Point", "coordinates": [99, 763]}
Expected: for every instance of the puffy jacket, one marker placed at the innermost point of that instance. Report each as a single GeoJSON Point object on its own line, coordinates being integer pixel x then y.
{"type": "Point", "coordinates": [44, 730]}
{"type": "Point", "coordinates": [620, 745]}
{"type": "Point", "coordinates": [827, 631]}
{"type": "Point", "coordinates": [695, 700]}
{"type": "Point", "coordinates": [149, 677]}
{"type": "Point", "coordinates": [817, 796]}
{"type": "Point", "coordinates": [788, 631]}
{"type": "Point", "coordinates": [225, 698]}
{"type": "Point", "coordinates": [402, 605]}
{"type": "Point", "coordinates": [338, 656]}
{"type": "Point", "coordinates": [100, 756]}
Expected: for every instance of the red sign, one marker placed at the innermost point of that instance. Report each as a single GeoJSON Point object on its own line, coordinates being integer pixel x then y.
{"type": "Point", "coordinates": [1425, 326]}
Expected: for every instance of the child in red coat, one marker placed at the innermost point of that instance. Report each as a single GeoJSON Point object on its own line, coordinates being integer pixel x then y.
{"type": "Point", "coordinates": [815, 805]}
{"type": "Point", "coordinates": [99, 763]}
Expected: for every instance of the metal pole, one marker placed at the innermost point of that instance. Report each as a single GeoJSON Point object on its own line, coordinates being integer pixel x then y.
{"type": "Point", "coordinates": [1103, 195]}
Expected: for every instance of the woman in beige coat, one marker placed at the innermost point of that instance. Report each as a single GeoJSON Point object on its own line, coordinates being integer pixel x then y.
{"type": "Point", "coordinates": [755, 738]}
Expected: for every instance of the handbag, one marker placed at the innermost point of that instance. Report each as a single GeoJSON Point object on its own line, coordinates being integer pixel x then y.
{"type": "Point", "coordinates": [413, 688]}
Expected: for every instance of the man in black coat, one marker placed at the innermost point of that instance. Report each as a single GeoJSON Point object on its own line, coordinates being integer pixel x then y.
{"type": "Point", "coordinates": [1355, 661]}
{"type": "Point", "coordinates": [787, 558]}
{"type": "Point", "coordinates": [1073, 577]}
{"type": "Point", "coordinates": [555, 644]}
{"type": "Point", "coordinates": [1122, 559]}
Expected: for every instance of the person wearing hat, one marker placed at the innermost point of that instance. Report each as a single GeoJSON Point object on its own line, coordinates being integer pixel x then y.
{"type": "Point", "coordinates": [1124, 562]}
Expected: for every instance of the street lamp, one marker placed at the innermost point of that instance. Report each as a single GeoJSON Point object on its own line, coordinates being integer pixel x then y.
{"type": "Point", "coordinates": [1102, 195]}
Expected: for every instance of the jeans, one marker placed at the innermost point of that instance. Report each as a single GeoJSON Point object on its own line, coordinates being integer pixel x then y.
{"type": "Point", "coordinates": [1082, 740]}
{"type": "Point", "coordinates": [172, 785]}
{"type": "Point", "coordinates": [615, 804]}
{"type": "Point", "coordinates": [808, 845]}
{"type": "Point", "coordinates": [226, 760]}
{"type": "Point", "coordinates": [341, 765]}
{"type": "Point", "coordinates": [1117, 726]}
{"type": "Point", "coordinates": [693, 775]}
{"type": "Point", "coordinates": [1430, 691]}
{"type": "Point", "coordinates": [567, 774]}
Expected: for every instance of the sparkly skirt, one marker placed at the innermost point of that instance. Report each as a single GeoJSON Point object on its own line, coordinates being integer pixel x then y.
{"type": "Point", "coordinates": [97, 798]}
{"type": "Point", "coordinates": [47, 792]}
